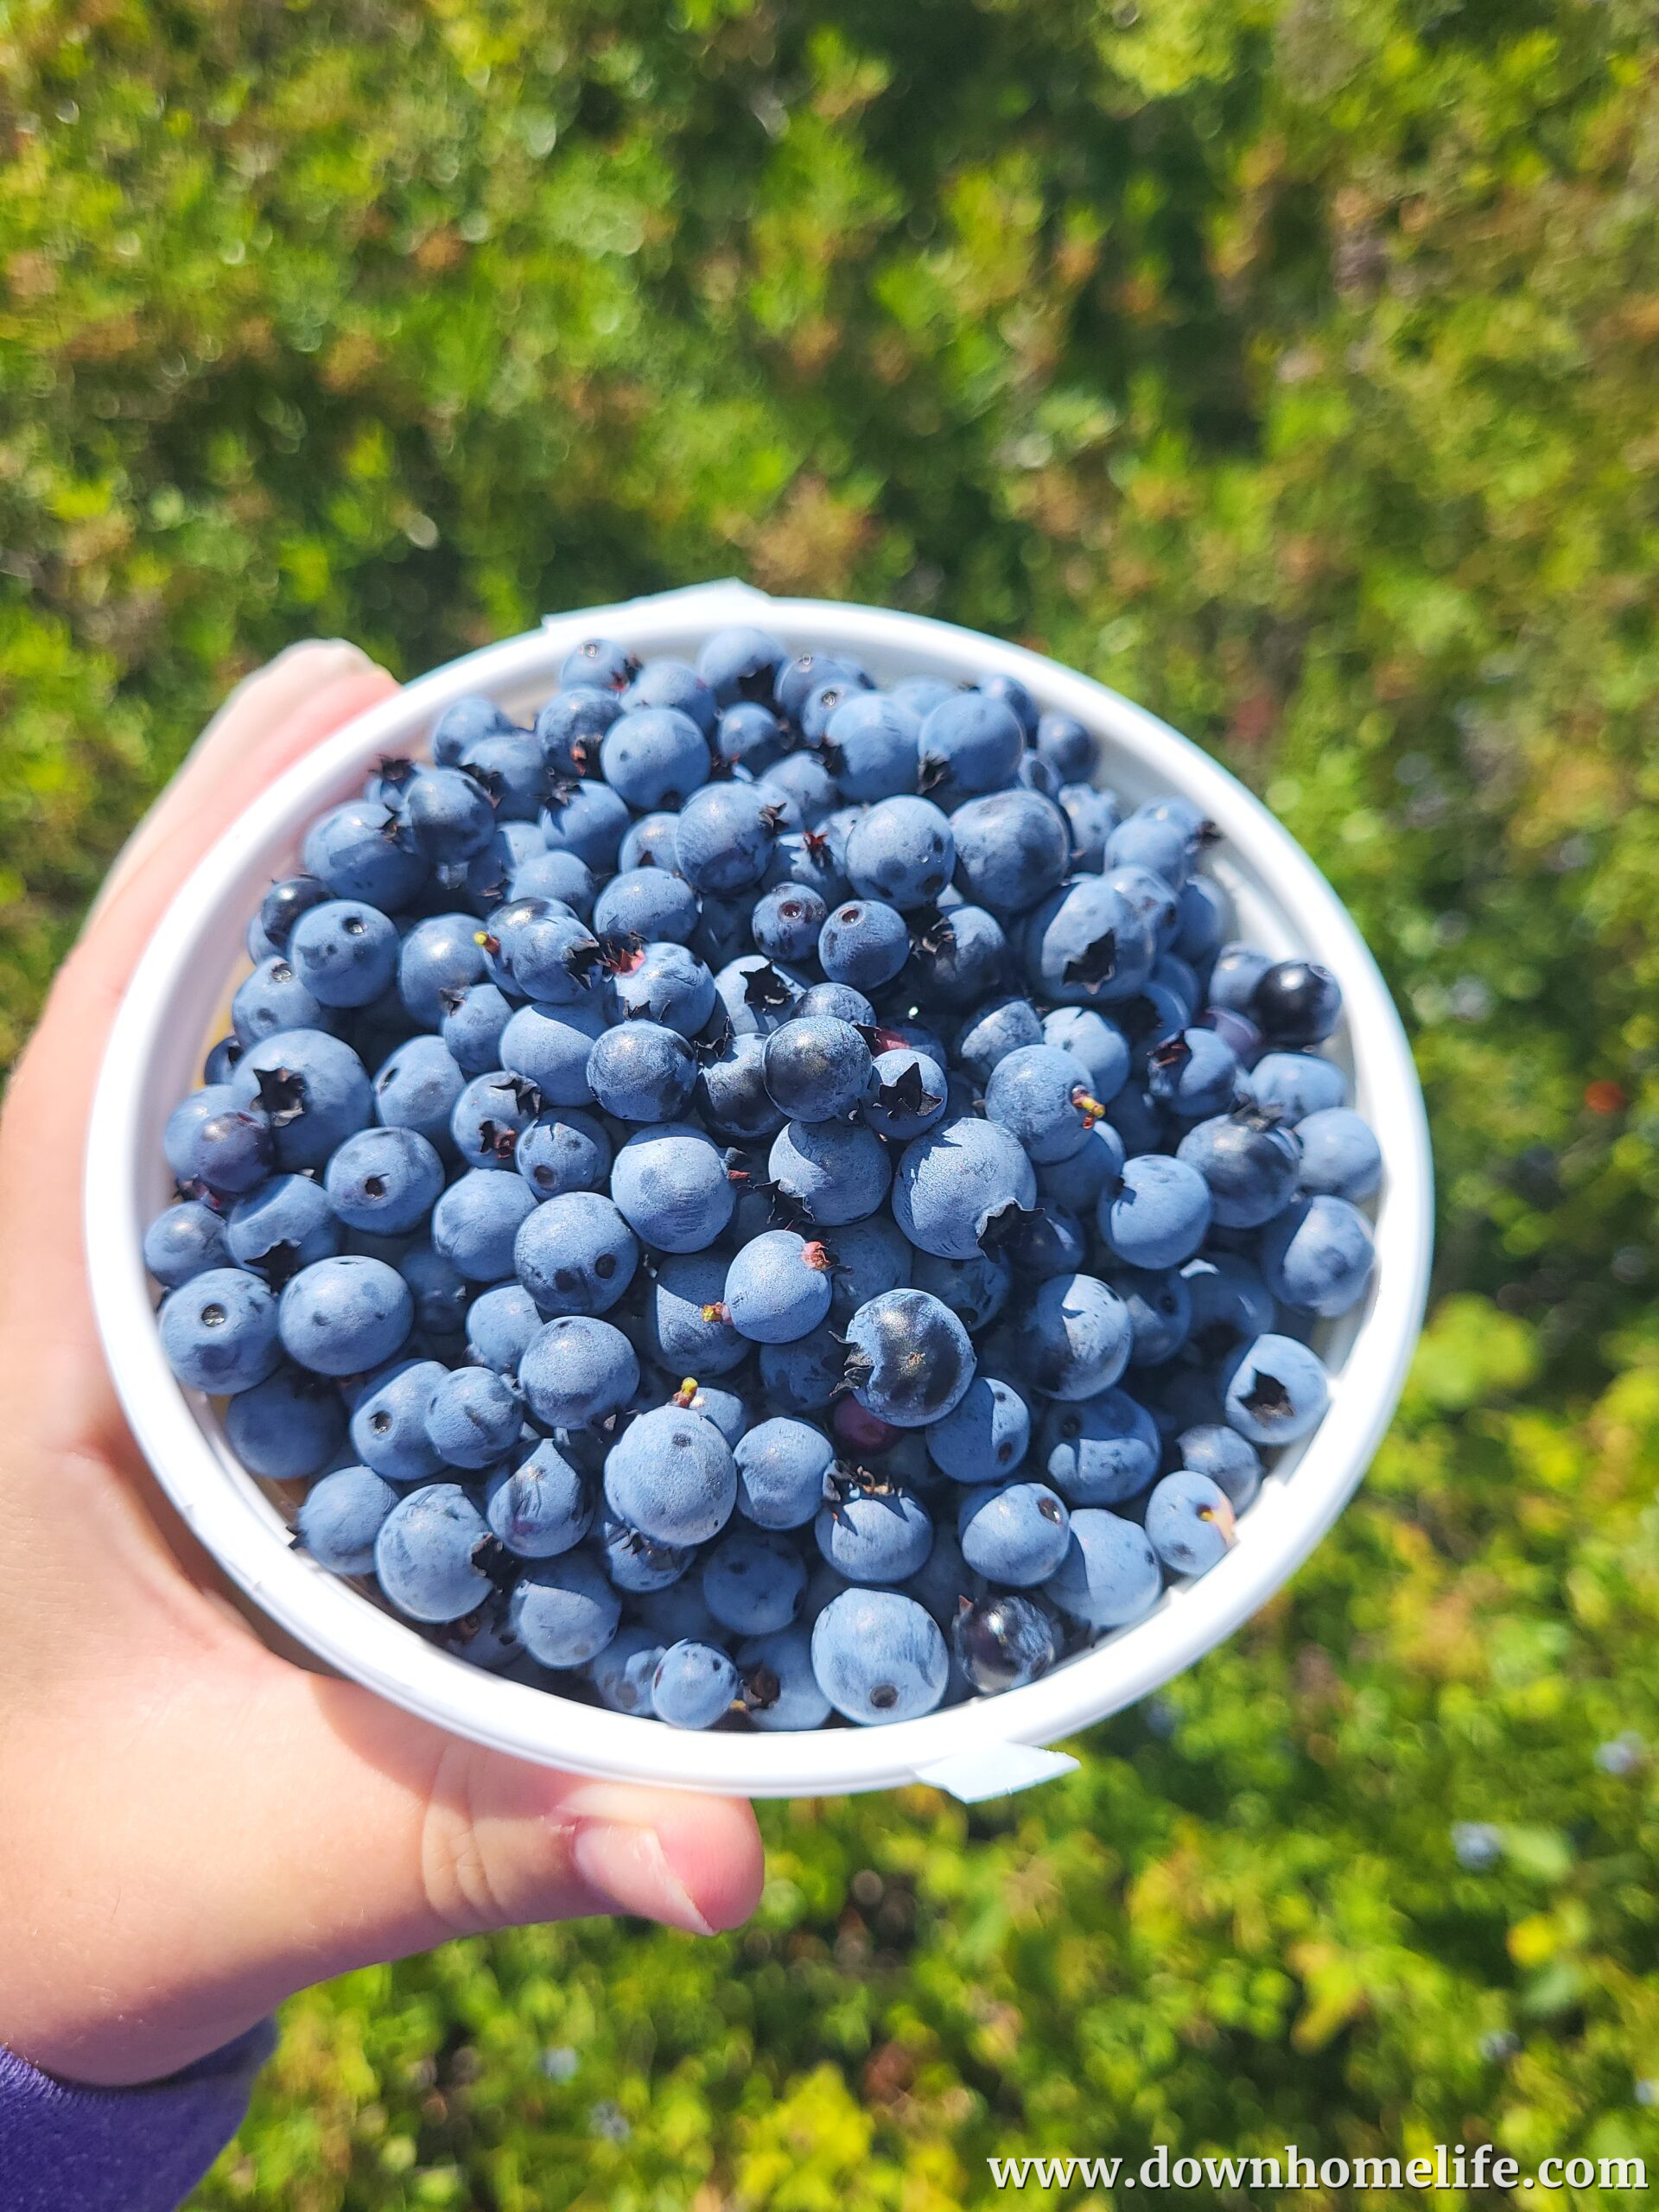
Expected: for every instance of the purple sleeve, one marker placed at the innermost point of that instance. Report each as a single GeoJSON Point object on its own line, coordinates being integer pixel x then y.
{"type": "Point", "coordinates": [64, 2149]}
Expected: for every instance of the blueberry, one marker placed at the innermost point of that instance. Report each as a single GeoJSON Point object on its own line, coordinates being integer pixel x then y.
{"type": "Point", "coordinates": [311, 1088]}
{"type": "Point", "coordinates": [863, 943]}
{"type": "Point", "coordinates": [724, 837]}
{"type": "Point", "coordinates": [752, 1582]}
{"type": "Point", "coordinates": [871, 744]}
{"type": "Point", "coordinates": [473, 1419]}
{"type": "Point", "coordinates": [1163, 847]}
{"type": "Point", "coordinates": [540, 1509]}
{"type": "Point", "coordinates": [621, 1673]}
{"type": "Point", "coordinates": [684, 1325]}
{"type": "Point", "coordinates": [1003, 1642]}
{"type": "Point", "coordinates": [286, 1428]}
{"type": "Point", "coordinates": [1013, 1533]}
{"type": "Point", "coordinates": [1069, 1339]}
{"type": "Point", "coordinates": [992, 1031]}
{"type": "Point", "coordinates": [345, 1316]}
{"type": "Point", "coordinates": [341, 1516]}
{"type": "Point", "coordinates": [908, 1095]}
{"type": "Point", "coordinates": [787, 922]}
{"type": "Point", "coordinates": [975, 1290]}
{"type": "Point", "coordinates": [463, 722]}
{"type": "Point", "coordinates": [500, 1324]}
{"type": "Point", "coordinates": [434, 1553]}
{"type": "Point", "coordinates": [958, 1183]}
{"type": "Point", "coordinates": [732, 1095]}
{"type": "Point", "coordinates": [805, 1377]}
{"type": "Point", "coordinates": [642, 1072]}
{"type": "Point", "coordinates": [1109, 1575]}
{"type": "Point", "coordinates": [575, 1254]}
{"type": "Point", "coordinates": [1230, 1461]}
{"type": "Point", "coordinates": [741, 663]}
{"type": "Point", "coordinates": [671, 1477]}
{"type": "Point", "coordinates": [1013, 848]}
{"type": "Point", "coordinates": [909, 1359]}
{"type": "Point", "coordinates": [984, 1438]}
{"type": "Point", "coordinates": [1341, 1158]}
{"type": "Point", "coordinates": [1318, 1256]}
{"type": "Point", "coordinates": [672, 1186]}
{"type": "Point", "coordinates": [219, 1330]}
{"type": "Point", "coordinates": [283, 904]}
{"type": "Point", "coordinates": [664, 982]}
{"type": "Point", "coordinates": [655, 757]}
{"type": "Point", "coordinates": [284, 1225]}
{"type": "Point", "coordinates": [1091, 816]}
{"type": "Point", "coordinates": [779, 1690]}
{"type": "Point", "coordinates": [576, 1371]}
{"type": "Point", "coordinates": [273, 999]}
{"type": "Point", "coordinates": [1296, 1086]}
{"type": "Point", "coordinates": [418, 1087]}
{"type": "Point", "coordinates": [1296, 1003]}
{"type": "Point", "coordinates": [1229, 1304]}
{"type": "Point", "coordinates": [565, 1612]}
{"type": "Point", "coordinates": [665, 684]}
{"type": "Point", "coordinates": [751, 737]}
{"type": "Point", "coordinates": [649, 903]}
{"type": "Point", "coordinates": [476, 1221]}
{"type": "Point", "coordinates": [638, 1565]}
{"type": "Point", "coordinates": [230, 1151]}
{"type": "Point", "coordinates": [782, 1466]}
{"type": "Point", "coordinates": [902, 852]}
{"type": "Point", "coordinates": [1157, 1214]}
{"type": "Point", "coordinates": [508, 767]}
{"type": "Point", "coordinates": [1077, 1181]}
{"type": "Point", "coordinates": [600, 662]}
{"type": "Point", "coordinates": [563, 1150]}
{"type": "Point", "coordinates": [878, 1657]}
{"type": "Point", "coordinates": [550, 1046]}
{"type": "Point", "coordinates": [1194, 1073]}
{"type": "Point", "coordinates": [873, 1531]}
{"type": "Point", "coordinates": [777, 1287]}
{"type": "Point", "coordinates": [357, 851]}
{"type": "Point", "coordinates": [186, 1240]}
{"type": "Point", "coordinates": [1099, 1451]}
{"type": "Point", "coordinates": [587, 819]}
{"type": "Point", "coordinates": [388, 1431]}
{"type": "Point", "coordinates": [1086, 945]}
{"type": "Point", "coordinates": [344, 953]}
{"type": "Point", "coordinates": [1189, 1523]}
{"type": "Point", "coordinates": [832, 1172]}
{"type": "Point", "coordinates": [1067, 747]}
{"type": "Point", "coordinates": [561, 875]}
{"type": "Point", "coordinates": [1161, 1311]}
{"type": "Point", "coordinates": [474, 1023]}
{"type": "Point", "coordinates": [800, 791]}
{"type": "Point", "coordinates": [694, 1685]}
{"type": "Point", "coordinates": [1250, 1161]}
{"type": "Point", "coordinates": [384, 1179]}
{"type": "Point", "coordinates": [1276, 1390]}
{"type": "Point", "coordinates": [974, 739]}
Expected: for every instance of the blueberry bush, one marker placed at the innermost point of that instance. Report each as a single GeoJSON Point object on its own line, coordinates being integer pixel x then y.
{"type": "Point", "coordinates": [1287, 363]}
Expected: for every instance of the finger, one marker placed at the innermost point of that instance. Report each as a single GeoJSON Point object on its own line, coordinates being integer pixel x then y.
{"type": "Point", "coordinates": [323, 1829]}
{"type": "Point", "coordinates": [249, 713]}
{"type": "Point", "coordinates": [277, 719]}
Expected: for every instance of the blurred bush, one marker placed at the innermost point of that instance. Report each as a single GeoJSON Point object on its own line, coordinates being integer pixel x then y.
{"type": "Point", "coordinates": [1290, 364]}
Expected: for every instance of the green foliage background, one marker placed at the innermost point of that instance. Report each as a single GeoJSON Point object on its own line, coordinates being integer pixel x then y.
{"type": "Point", "coordinates": [1291, 364]}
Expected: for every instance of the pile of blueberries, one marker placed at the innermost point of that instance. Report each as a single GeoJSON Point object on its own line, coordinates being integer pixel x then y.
{"type": "Point", "coordinates": [762, 1196]}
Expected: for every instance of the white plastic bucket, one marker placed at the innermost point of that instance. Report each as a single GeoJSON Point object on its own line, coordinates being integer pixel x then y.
{"type": "Point", "coordinates": [1283, 902]}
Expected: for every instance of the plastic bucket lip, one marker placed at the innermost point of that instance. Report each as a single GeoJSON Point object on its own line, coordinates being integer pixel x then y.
{"type": "Point", "coordinates": [152, 1059]}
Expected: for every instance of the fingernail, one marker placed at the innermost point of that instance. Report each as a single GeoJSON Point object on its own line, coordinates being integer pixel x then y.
{"type": "Point", "coordinates": [628, 1865]}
